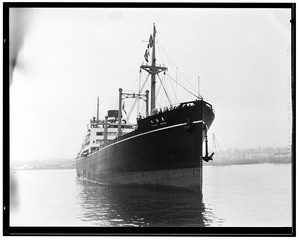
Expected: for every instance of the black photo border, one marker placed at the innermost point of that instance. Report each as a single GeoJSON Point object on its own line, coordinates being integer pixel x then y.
{"type": "Point", "coordinates": [130, 231]}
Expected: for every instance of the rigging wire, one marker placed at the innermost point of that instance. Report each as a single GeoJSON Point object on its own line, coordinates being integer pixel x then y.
{"type": "Point", "coordinates": [132, 87]}
{"type": "Point", "coordinates": [175, 80]}
{"type": "Point", "coordinates": [174, 91]}
{"type": "Point", "coordinates": [173, 66]}
{"type": "Point", "coordinates": [158, 91]}
{"type": "Point", "coordinates": [142, 110]}
{"type": "Point", "coordinates": [165, 90]}
{"type": "Point", "coordinates": [135, 101]}
{"type": "Point", "coordinates": [171, 61]}
{"type": "Point", "coordinates": [183, 87]}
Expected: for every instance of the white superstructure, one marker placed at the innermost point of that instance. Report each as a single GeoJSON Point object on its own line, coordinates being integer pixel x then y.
{"type": "Point", "coordinates": [101, 131]}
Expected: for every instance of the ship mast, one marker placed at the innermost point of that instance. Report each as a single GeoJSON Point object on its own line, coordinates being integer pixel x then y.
{"type": "Point", "coordinates": [97, 109]}
{"type": "Point", "coordinates": [153, 72]}
{"type": "Point", "coordinates": [153, 69]}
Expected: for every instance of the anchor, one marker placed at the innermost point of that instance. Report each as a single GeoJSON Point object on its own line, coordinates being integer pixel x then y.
{"type": "Point", "coordinates": [207, 157]}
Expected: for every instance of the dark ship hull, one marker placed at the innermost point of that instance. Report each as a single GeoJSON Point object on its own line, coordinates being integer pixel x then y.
{"type": "Point", "coordinates": [165, 150]}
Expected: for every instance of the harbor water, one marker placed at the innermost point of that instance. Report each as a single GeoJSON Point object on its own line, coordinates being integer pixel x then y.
{"type": "Point", "coordinates": [257, 195]}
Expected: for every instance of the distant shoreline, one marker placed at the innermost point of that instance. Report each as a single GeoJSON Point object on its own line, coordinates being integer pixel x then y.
{"type": "Point", "coordinates": [40, 168]}
{"type": "Point", "coordinates": [285, 160]}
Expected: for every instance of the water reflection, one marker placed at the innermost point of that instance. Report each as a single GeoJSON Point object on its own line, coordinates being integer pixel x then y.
{"type": "Point", "coordinates": [139, 206]}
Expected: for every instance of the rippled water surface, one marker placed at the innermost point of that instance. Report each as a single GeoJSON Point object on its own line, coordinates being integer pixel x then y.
{"type": "Point", "coordinates": [235, 196]}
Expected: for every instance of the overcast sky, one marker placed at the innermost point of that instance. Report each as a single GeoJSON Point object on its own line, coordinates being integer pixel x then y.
{"type": "Point", "coordinates": [69, 57]}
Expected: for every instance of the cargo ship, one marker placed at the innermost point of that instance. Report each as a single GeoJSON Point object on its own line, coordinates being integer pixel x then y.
{"type": "Point", "coordinates": [164, 148]}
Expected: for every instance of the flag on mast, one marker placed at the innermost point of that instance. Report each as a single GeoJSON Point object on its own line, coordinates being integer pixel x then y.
{"type": "Point", "coordinates": [151, 40]}
{"type": "Point", "coordinates": [146, 55]}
